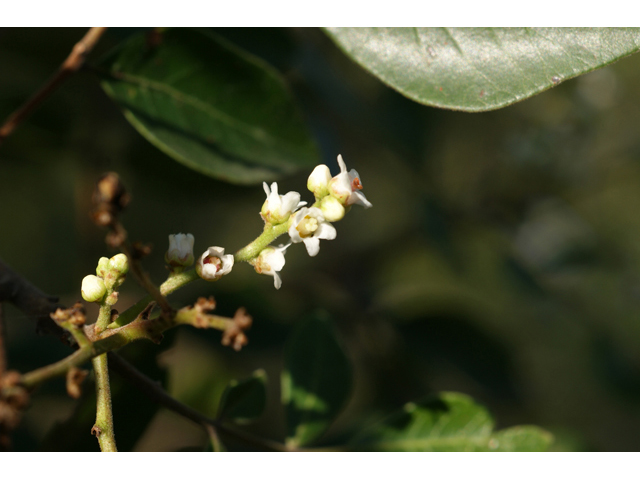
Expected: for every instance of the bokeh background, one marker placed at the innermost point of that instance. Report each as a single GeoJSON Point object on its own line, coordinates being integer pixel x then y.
{"type": "Point", "coordinates": [501, 258]}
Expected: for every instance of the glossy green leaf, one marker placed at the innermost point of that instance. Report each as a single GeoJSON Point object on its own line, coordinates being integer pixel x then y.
{"type": "Point", "coordinates": [244, 400]}
{"type": "Point", "coordinates": [450, 422]}
{"type": "Point", "coordinates": [478, 69]}
{"type": "Point", "coordinates": [209, 105]}
{"type": "Point", "coordinates": [316, 380]}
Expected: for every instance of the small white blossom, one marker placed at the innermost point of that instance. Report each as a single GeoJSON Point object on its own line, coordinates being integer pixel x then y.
{"type": "Point", "coordinates": [318, 181]}
{"type": "Point", "coordinates": [346, 187]}
{"type": "Point", "coordinates": [270, 262]}
{"type": "Point", "coordinates": [93, 288]}
{"type": "Point", "coordinates": [277, 208]}
{"type": "Point", "coordinates": [309, 226]}
{"type": "Point", "coordinates": [180, 253]}
{"type": "Point", "coordinates": [213, 264]}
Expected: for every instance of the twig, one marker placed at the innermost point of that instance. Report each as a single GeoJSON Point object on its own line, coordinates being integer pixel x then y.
{"type": "Point", "coordinates": [156, 393]}
{"type": "Point", "coordinates": [73, 62]}
{"type": "Point", "coordinates": [145, 282]}
{"type": "Point", "coordinates": [172, 284]}
{"type": "Point", "coordinates": [115, 338]}
{"type": "Point", "coordinates": [111, 340]}
{"type": "Point", "coordinates": [216, 444]}
{"type": "Point", "coordinates": [29, 299]}
{"type": "Point", "coordinates": [103, 428]}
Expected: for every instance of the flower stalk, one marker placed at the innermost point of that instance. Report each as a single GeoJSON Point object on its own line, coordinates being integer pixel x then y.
{"type": "Point", "coordinates": [103, 428]}
{"type": "Point", "coordinates": [270, 233]}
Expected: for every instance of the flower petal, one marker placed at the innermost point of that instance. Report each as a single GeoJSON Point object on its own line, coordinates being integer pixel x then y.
{"type": "Point", "coordinates": [343, 166]}
{"type": "Point", "coordinates": [276, 261]}
{"type": "Point", "coordinates": [313, 245]}
{"type": "Point", "coordinates": [289, 202]}
{"type": "Point", "coordinates": [358, 198]}
{"type": "Point", "coordinates": [326, 231]}
{"type": "Point", "coordinates": [277, 282]}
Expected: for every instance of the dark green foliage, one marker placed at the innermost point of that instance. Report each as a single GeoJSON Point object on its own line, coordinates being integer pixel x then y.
{"type": "Point", "coordinates": [244, 400]}
{"type": "Point", "coordinates": [209, 105]}
{"type": "Point", "coordinates": [316, 380]}
{"type": "Point", "coordinates": [450, 422]}
{"type": "Point", "coordinates": [478, 69]}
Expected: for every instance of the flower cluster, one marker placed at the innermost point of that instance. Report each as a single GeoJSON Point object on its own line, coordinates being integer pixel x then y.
{"type": "Point", "coordinates": [334, 197]}
{"type": "Point", "coordinates": [110, 274]}
{"type": "Point", "coordinates": [281, 214]}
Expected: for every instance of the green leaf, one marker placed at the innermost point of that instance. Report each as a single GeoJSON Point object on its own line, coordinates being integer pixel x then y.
{"type": "Point", "coordinates": [478, 69]}
{"type": "Point", "coordinates": [450, 422]}
{"type": "Point", "coordinates": [316, 380]}
{"type": "Point", "coordinates": [209, 105]}
{"type": "Point", "coordinates": [244, 400]}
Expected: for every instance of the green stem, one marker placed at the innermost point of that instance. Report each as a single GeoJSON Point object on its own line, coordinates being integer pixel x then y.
{"type": "Point", "coordinates": [173, 283]}
{"type": "Point", "coordinates": [271, 232]}
{"type": "Point", "coordinates": [112, 339]}
{"type": "Point", "coordinates": [103, 428]}
{"type": "Point", "coordinates": [104, 317]}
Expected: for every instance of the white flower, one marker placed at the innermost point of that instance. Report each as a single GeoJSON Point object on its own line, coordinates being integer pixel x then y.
{"type": "Point", "coordinates": [213, 264]}
{"type": "Point", "coordinates": [277, 208]}
{"type": "Point", "coordinates": [318, 181]}
{"type": "Point", "coordinates": [270, 262]}
{"type": "Point", "coordinates": [309, 226]}
{"type": "Point", "coordinates": [93, 288]}
{"type": "Point", "coordinates": [180, 253]}
{"type": "Point", "coordinates": [346, 187]}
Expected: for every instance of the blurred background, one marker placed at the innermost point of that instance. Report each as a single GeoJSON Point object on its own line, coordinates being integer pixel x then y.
{"type": "Point", "coordinates": [501, 258]}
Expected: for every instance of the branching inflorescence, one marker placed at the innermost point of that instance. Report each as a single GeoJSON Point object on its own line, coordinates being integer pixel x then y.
{"type": "Point", "coordinates": [282, 215]}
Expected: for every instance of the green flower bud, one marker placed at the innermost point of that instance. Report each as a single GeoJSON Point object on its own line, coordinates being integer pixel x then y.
{"type": "Point", "coordinates": [93, 288]}
{"type": "Point", "coordinates": [103, 267]}
{"type": "Point", "coordinates": [119, 263]}
{"type": "Point", "coordinates": [332, 209]}
{"type": "Point", "coordinates": [318, 181]}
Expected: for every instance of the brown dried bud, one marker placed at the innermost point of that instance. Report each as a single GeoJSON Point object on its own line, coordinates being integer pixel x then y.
{"type": "Point", "coordinates": [205, 305]}
{"type": "Point", "coordinates": [109, 199]}
{"type": "Point", "coordinates": [14, 398]}
{"type": "Point", "coordinates": [75, 315]}
{"type": "Point", "coordinates": [117, 236]}
{"type": "Point", "coordinates": [234, 334]}
{"type": "Point", "coordinates": [140, 250]}
{"type": "Point", "coordinates": [109, 190]}
{"type": "Point", "coordinates": [75, 377]}
{"type": "Point", "coordinates": [242, 319]}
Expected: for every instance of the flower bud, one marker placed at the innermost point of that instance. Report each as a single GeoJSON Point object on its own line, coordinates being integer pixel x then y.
{"type": "Point", "coordinates": [319, 180]}
{"type": "Point", "coordinates": [332, 209]}
{"type": "Point", "coordinates": [119, 263]}
{"type": "Point", "coordinates": [213, 264]}
{"type": "Point", "coordinates": [180, 253]}
{"type": "Point", "coordinates": [93, 288]}
{"type": "Point", "coordinates": [103, 267]}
